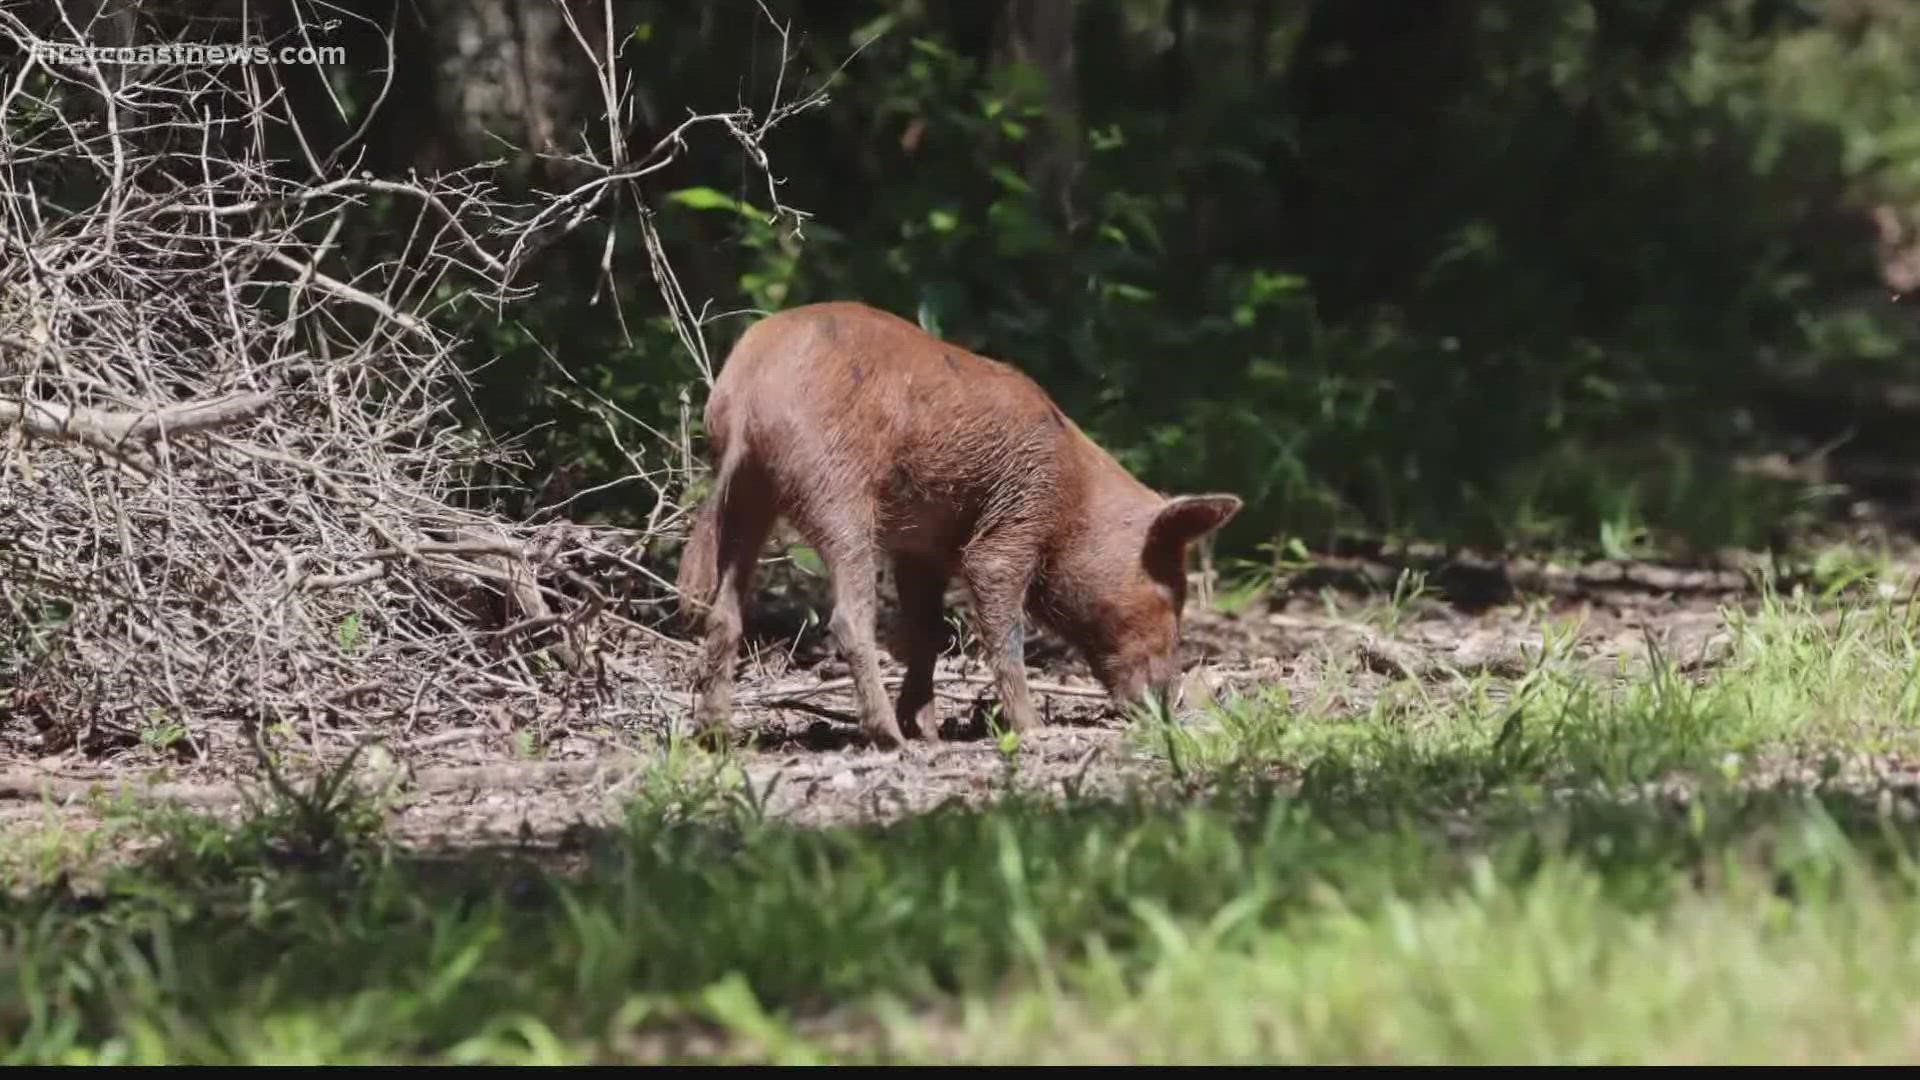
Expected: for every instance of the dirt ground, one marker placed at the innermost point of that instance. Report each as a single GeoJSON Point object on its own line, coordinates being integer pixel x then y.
{"type": "Point", "coordinates": [806, 763]}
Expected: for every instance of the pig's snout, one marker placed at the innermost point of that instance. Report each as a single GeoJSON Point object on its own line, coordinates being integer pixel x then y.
{"type": "Point", "coordinates": [1149, 684]}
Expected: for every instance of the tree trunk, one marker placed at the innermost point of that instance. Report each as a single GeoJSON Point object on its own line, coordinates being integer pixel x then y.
{"type": "Point", "coordinates": [1039, 34]}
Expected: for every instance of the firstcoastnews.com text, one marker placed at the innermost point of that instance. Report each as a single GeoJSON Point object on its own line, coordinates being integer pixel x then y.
{"type": "Point", "coordinates": [69, 54]}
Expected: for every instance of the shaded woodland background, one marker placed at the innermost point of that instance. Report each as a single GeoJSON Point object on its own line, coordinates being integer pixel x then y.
{"type": "Point", "coordinates": [1611, 274]}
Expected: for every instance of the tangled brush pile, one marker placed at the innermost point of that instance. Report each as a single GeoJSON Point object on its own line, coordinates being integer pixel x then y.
{"type": "Point", "coordinates": [233, 487]}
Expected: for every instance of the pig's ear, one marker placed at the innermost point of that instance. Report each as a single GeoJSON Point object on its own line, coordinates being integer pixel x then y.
{"type": "Point", "coordinates": [1186, 518]}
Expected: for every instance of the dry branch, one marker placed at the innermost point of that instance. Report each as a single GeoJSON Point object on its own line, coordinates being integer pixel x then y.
{"type": "Point", "coordinates": [56, 422]}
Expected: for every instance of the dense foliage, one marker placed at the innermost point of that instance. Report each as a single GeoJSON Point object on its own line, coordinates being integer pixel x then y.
{"type": "Point", "coordinates": [1489, 271]}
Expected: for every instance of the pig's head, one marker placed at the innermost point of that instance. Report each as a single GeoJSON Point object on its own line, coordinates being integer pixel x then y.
{"type": "Point", "coordinates": [1119, 595]}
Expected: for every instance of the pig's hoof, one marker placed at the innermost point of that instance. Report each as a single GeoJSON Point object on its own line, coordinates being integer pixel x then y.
{"type": "Point", "coordinates": [925, 726]}
{"type": "Point", "coordinates": [884, 736]}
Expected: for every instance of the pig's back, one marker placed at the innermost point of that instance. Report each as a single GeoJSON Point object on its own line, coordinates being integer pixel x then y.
{"type": "Point", "coordinates": [842, 400]}
{"type": "Point", "coordinates": [860, 375]}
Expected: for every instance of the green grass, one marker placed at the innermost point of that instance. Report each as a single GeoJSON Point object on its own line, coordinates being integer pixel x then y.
{"type": "Point", "coordinates": [1560, 867]}
{"type": "Point", "coordinates": [1802, 682]}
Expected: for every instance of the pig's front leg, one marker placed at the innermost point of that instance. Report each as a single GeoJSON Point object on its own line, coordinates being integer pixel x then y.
{"type": "Point", "coordinates": [997, 575]}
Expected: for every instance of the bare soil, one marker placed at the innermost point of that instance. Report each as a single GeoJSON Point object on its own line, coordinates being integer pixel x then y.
{"type": "Point", "coordinates": [806, 763]}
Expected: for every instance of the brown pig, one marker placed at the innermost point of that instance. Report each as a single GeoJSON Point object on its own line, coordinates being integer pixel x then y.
{"type": "Point", "coordinates": [877, 440]}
